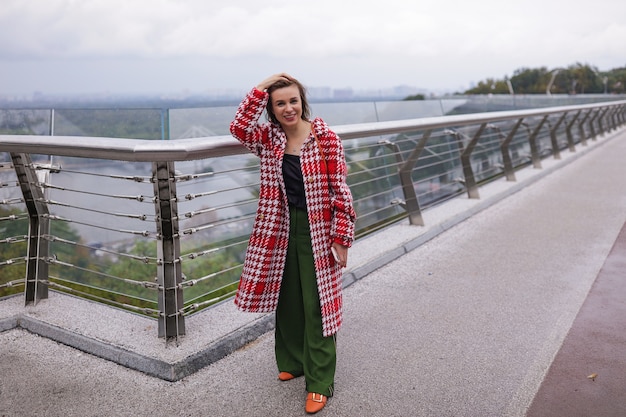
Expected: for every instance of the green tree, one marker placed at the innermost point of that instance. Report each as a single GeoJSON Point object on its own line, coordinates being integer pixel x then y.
{"type": "Point", "coordinates": [11, 250]}
{"type": "Point", "coordinates": [530, 81]}
{"type": "Point", "coordinates": [490, 86]}
{"type": "Point", "coordinates": [585, 79]}
{"type": "Point", "coordinates": [616, 81]}
{"type": "Point", "coordinates": [575, 79]}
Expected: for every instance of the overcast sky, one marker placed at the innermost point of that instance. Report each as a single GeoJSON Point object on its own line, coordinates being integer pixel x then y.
{"type": "Point", "coordinates": [141, 46]}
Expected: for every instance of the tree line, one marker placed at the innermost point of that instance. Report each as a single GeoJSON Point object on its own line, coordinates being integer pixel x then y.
{"type": "Point", "coordinates": [575, 79]}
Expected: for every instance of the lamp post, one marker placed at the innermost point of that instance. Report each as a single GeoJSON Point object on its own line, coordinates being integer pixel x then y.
{"type": "Point", "coordinates": [549, 87]}
{"type": "Point", "coordinates": [508, 83]}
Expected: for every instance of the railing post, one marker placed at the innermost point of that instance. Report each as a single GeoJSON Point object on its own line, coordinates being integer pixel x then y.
{"type": "Point", "coordinates": [51, 125]}
{"type": "Point", "coordinates": [169, 275]}
{"type": "Point", "coordinates": [591, 122]}
{"type": "Point", "coordinates": [581, 128]}
{"type": "Point", "coordinates": [405, 169]}
{"type": "Point", "coordinates": [618, 116]}
{"type": "Point", "coordinates": [36, 287]}
{"type": "Point", "coordinates": [532, 139]}
{"type": "Point", "coordinates": [556, 152]}
{"type": "Point", "coordinates": [601, 121]}
{"type": "Point", "coordinates": [509, 171]}
{"type": "Point", "coordinates": [612, 118]}
{"type": "Point", "coordinates": [466, 154]}
{"type": "Point", "coordinates": [568, 129]}
{"type": "Point", "coordinates": [410, 196]}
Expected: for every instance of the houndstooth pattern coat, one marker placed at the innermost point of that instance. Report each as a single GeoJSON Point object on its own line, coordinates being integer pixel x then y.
{"type": "Point", "coordinates": [331, 214]}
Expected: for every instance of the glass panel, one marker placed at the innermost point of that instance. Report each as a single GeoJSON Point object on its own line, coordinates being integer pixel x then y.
{"type": "Point", "coordinates": [112, 123]}
{"type": "Point", "coordinates": [345, 113]}
{"type": "Point", "coordinates": [453, 106]}
{"type": "Point", "coordinates": [403, 110]}
{"type": "Point", "coordinates": [25, 122]}
{"type": "Point", "coordinates": [201, 122]}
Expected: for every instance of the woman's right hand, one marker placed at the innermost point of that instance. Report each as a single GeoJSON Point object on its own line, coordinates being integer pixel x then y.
{"type": "Point", "coordinates": [267, 83]}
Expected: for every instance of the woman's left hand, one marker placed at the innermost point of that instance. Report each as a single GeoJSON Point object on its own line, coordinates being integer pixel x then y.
{"type": "Point", "coordinates": [342, 253]}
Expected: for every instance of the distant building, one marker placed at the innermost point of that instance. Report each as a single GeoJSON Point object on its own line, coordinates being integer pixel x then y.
{"type": "Point", "coordinates": [320, 93]}
{"type": "Point", "coordinates": [343, 94]}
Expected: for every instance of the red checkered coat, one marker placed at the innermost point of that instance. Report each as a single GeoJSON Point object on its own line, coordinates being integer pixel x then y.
{"type": "Point", "coordinates": [331, 214]}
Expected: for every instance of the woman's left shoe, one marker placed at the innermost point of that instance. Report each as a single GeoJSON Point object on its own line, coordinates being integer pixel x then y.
{"type": "Point", "coordinates": [285, 376]}
{"type": "Point", "coordinates": [314, 402]}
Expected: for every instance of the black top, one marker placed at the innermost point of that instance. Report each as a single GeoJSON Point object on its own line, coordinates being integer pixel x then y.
{"type": "Point", "coordinates": [294, 183]}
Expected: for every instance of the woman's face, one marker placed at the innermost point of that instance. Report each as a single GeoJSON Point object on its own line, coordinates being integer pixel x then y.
{"type": "Point", "coordinates": [287, 105]}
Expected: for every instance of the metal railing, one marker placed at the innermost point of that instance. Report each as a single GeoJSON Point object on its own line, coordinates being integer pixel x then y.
{"type": "Point", "coordinates": [160, 227]}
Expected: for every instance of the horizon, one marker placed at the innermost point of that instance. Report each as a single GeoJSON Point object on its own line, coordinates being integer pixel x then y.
{"type": "Point", "coordinates": [314, 93]}
{"type": "Point", "coordinates": [224, 93]}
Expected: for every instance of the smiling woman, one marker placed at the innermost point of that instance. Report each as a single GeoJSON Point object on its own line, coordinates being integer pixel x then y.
{"type": "Point", "coordinates": [304, 216]}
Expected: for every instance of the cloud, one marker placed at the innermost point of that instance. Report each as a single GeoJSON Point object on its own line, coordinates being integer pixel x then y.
{"type": "Point", "coordinates": [427, 42]}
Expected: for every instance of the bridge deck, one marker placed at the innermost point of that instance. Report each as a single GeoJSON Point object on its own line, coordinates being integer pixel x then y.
{"type": "Point", "coordinates": [506, 312]}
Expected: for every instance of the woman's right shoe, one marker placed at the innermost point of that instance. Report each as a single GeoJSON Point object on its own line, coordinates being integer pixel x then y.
{"type": "Point", "coordinates": [285, 376]}
{"type": "Point", "coordinates": [314, 402]}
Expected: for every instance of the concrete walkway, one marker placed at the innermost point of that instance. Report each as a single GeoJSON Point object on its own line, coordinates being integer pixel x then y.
{"type": "Point", "coordinates": [466, 324]}
{"type": "Point", "coordinates": [588, 375]}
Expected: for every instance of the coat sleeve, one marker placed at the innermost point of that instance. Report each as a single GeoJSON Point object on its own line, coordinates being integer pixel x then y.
{"type": "Point", "coordinates": [343, 214]}
{"type": "Point", "coordinates": [245, 126]}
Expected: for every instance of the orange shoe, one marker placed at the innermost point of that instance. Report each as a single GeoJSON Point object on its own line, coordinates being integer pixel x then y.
{"type": "Point", "coordinates": [285, 376]}
{"type": "Point", "coordinates": [314, 402]}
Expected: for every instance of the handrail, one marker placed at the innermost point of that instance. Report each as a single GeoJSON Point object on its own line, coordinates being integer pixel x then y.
{"type": "Point", "coordinates": [442, 122]}
{"type": "Point", "coordinates": [131, 150]}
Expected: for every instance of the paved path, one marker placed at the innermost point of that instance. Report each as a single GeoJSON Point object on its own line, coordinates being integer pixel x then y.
{"type": "Point", "coordinates": [588, 375]}
{"type": "Point", "coordinates": [467, 324]}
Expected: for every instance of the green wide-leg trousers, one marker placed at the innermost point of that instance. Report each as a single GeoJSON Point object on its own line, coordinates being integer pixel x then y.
{"type": "Point", "coordinates": [301, 348]}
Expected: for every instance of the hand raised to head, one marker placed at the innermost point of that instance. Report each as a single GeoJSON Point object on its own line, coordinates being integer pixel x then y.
{"type": "Point", "coordinates": [267, 83]}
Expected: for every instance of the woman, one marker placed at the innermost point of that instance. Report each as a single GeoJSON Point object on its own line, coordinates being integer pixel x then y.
{"type": "Point", "coordinates": [304, 210]}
